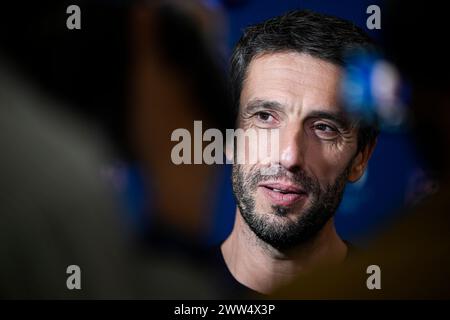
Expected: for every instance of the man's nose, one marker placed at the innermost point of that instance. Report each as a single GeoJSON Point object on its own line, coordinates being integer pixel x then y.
{"type": "Point", "coordinates": [292, 148]}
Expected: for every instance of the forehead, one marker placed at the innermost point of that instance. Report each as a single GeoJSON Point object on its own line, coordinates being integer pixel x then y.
{"type": "Point", "coordinates": [298, 81]}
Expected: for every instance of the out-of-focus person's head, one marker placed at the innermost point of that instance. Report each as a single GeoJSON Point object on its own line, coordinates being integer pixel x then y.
{"type": "Point", "coordinates": [90, 69]}
{"type": "Point", "coordinates": [137, 69]}
{"type": "Point", "coordinates": [414, 40]}
{"type": "Point", "coordinates": [285, 75]}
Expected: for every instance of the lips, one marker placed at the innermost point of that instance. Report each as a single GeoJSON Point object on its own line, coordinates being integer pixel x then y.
{"type": "Point", "coordinates": [283, 194]}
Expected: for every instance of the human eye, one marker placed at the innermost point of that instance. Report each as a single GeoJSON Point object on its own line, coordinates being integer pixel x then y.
{"type": "Point", "coordinates": [325, 131]}
{"type": "Point", "coordinates": [265, 118]}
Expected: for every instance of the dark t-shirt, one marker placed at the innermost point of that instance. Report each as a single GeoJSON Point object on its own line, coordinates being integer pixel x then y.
{"type": "Point", "coordinates": [238, 290]}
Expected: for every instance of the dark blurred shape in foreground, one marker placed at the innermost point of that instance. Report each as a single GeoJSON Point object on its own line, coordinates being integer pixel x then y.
{"type": "Point", "coordinates": [72, 103]}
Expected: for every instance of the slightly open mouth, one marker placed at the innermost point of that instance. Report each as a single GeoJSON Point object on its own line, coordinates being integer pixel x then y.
{"type": "Point", "coordinates": [281, 191]}
{"type": "Point", "coordinates": [282, 194]}
{"type": "Point", "coordinates": [283, 187]}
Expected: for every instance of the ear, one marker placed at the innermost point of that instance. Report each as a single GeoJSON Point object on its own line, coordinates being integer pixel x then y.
{"type": "Point", "coordinates": [360, 162]}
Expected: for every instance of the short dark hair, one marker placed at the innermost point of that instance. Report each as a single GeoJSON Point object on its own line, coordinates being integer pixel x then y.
{"type": "Point", "coordinates": [303, 31]}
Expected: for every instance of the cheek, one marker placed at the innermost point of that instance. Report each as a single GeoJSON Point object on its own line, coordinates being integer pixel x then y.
{"type": "Point", "coordinates": [326, 161]}
{"type": "Point", "coordinates": [247, 172]}
{"type": "Point", "coordinates": [255, 147]}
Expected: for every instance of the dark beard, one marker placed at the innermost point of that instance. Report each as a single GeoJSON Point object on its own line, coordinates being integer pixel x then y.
{"type": "Point", "coordinates": [288, 234]}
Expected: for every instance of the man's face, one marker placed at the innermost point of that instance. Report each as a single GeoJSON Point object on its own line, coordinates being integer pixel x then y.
{"type": "Point", "coordinates": [298, 95]}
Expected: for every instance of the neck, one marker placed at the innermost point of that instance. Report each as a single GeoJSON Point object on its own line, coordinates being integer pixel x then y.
{"type": "Point", "coordinates": [263, 268]}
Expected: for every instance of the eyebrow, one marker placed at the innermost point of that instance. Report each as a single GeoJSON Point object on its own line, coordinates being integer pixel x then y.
{"type": "Point", "coordinates": [255, 105]}
{"type": "Point", "coordinates": [340, 118]}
